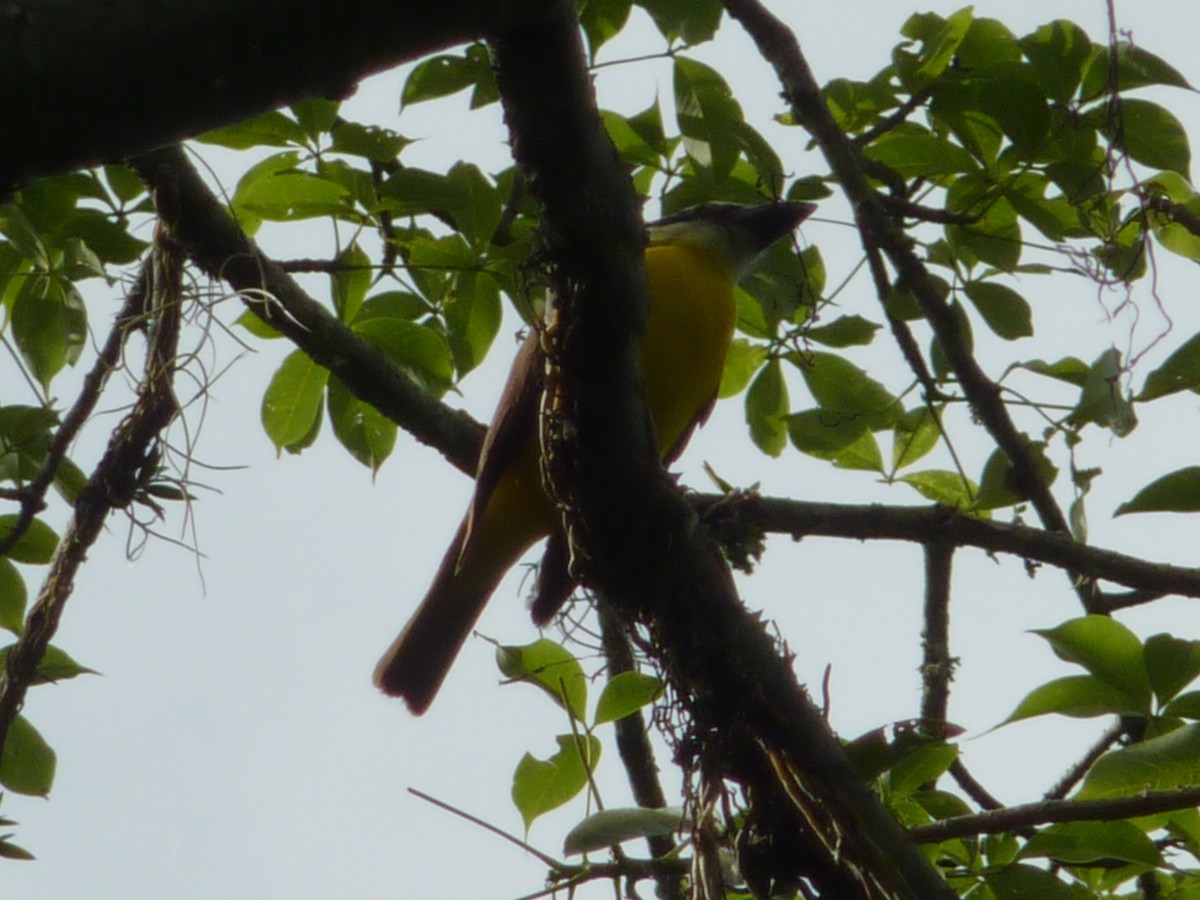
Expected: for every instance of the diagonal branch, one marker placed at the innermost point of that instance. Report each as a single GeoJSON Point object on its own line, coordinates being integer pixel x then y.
{"type": "Point", "coordinates": [113, 483]}
{"type": "Point", "coordinates": [215, 242]}
{"type": "Point", "coordinates": [636, 532]}
{"type": "Point", "coordinates": [878, 230]}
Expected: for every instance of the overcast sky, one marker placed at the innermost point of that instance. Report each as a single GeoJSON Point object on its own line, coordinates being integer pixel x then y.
{"type": "Point", "coordinates": [234, 746]}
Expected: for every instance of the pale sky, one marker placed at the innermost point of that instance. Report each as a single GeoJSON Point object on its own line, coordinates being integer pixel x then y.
{"type": "Point", "coordinates": [234, 746]}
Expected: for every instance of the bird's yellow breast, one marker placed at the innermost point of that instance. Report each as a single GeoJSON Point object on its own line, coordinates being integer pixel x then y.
{"type": "Point", "coordinates": [688, 328]}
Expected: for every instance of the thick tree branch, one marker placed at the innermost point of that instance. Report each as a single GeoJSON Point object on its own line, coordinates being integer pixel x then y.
{"type": "Point", "coordinates": [83, 83]}
{"type": "Point", "coordinates": [810, 816]}
{"type": "Point", "coordinates": [780, 48]}
{"type": "Point", "coordinates": [215, 242]}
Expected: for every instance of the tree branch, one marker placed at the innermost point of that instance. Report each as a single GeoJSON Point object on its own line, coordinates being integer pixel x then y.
{"type": "Point", "coordinates": [113, 483]}
{"type": "Point", "coordinates": [215, 242]}
{"type": "Point", "coordinates": [32, 495]}
{"type": "Point", "coordinates": [637, 536]}
{"type": "Point", "coordinates": [922, 524]}
{"type": "Point", "coordinates": [937, 666]}
{"type": "Point", "coordinates": [637, 754]}
{"type": "Point", "coordinates": [83, 83]}
{"type": "Point", "coordinates": [1046, 812]}
{"type": "Point", "coordinates": [780, 48]}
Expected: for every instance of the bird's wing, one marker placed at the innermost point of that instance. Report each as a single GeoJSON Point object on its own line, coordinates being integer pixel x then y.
{"type": "Point", "coordinates": [675, 450]}
{"type": "Point", "coordinates": [514, 422]}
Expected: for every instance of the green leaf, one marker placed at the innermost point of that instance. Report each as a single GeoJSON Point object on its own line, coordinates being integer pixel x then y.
{"type": "Point", "coordinates": [940, 39]}
{"type": "Point", "coordinates": [922, 766]}
{"type": "Point", "coordinates": [994, 237]}
{"type": "Point", "coordinates": [373, 142]}
{"type": "Point", "coordinates": [1151, 135]}
{"type": "Point", "coordinates": [1103, 400]}
{"type": "Point", "coordinates": [289, 196]}
{"type": "Point", "coordinates": [1058, 52]}
{"type": "Point", "coordinates": [846, 441]}
{"type": "Point", "coordinates": [473, 313]}
{"type": "Point", "coordinates": [1018, 882]}
{"type": "Point", "coordinates": [394, 305]}
{"type": "Point", "coordinates": [1179, 372]}
{"type": "Point", "coordinates": [1185, 706]}
{"type": "Point", "coordinates": [270, 129]}
{"type": "Point", "coordinates": [9, 850]}
{"type": "Point", "coordinates": [987, 43]}
{"type": "Point", "coordinates": [741, 362]}
{"type": "Point", "coordinates": [842, 388]}
{"type": "Point", "coordinates": [359, 427]}
{"type": "Point", "coordinates": [35, 547]}
{"type": "Point", "coordinates": [350, 281]}
{"type": "Point", "coordinates": [13, 598]}
{"type": "Point", "coordinates": [292, 402]}
{"type": "Point", "coordinates": [57, 665]}
{"type": "Point", "coordinates": [434, 262]}
{"type": "Point", "coordinates": [914, 435]}
{"type": "Point", "coordinates": [844, 331]}
{"type": "Point", "coordinates": [1136, 67]}
{"type": "Point", "coordinates": [1177, 491]}
{"type": "Point", "coordinates": [1159, 764]}
{"type": "Point", "coordinates": [767, 409]}
{"type": "Point", "coordinates": [27, 762]}
{"type": "Point", "coordinates": [441, 76]}
{"type": "Point", "coordinates": [542, 785]}
{"type": "Point", "coordinates": [1006, 312]}
{"type": "Point", "coordinates": [942, 486]}
{"type": "Point", "coordinates": [477, 207]}
{"type": "Point", "coordinates": [688, 21]}
{"type": "Point", "coordinates": [422, 352]}
{"type": "Point", "coordinates": [624, 694]}
{"type": "Point", "coordinates": [124, 182]}
{"type": "Point", "coordinates": [49, 324]}
{"type": "Point", "coordinates": [549, 666]}
{"type": "Point", "coordinates": [708, 116]}
{"type": "Point", "coordinates": [1077, 843]}
{"type": "Point", "coordinates": [919, 154]}
{"type": "Point", "coordinates": [316, 115]}
{"type": "Point", "coordinates": [256, 326]}
{"type": "Point", "coordinates": [615, 826]}
{"type": "Point", "coordinates": [1077, 696]}
{"type": "Point", "coordinates": [1172, 664]}
{"type": "Point", "coordinates": [1108, 650]}
{"type": "Point", "coordinates": [633, 146]}
{"type": "Point", "coordinates": [54, 666]}
{"type": "Point", "coordinates": [1070, 369]}
{"type": "Point", "coordinates": [1013, 97]}
{"type": "Point", "coordinates": [602, 20]}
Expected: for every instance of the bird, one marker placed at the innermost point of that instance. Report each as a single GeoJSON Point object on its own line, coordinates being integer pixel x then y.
{"type": "Point", "coordinates": [693, 260]}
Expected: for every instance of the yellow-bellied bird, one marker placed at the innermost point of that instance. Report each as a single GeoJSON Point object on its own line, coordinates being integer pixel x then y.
{"type": "Point", "coordinates": [693, 261]}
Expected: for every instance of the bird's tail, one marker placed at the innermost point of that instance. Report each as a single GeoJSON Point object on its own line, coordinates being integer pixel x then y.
{"type": "Point", "coordinates": [416, 664]}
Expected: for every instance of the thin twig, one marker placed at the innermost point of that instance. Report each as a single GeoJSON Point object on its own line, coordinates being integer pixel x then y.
{"type": "Point", "coordinates": [549, 861]}
{"type": "Point", "coordinates": [1076, 773]}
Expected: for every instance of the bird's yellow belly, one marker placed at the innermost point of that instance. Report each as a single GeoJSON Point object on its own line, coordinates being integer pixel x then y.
{"type": "Point", "coordinates": [688, 328]}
